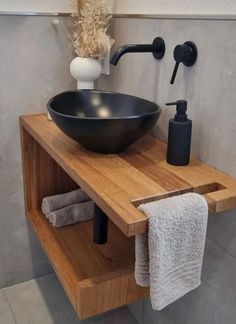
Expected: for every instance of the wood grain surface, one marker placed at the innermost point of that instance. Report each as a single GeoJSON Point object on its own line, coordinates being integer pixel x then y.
{"type": "Point", "coordinates": [141, 172]}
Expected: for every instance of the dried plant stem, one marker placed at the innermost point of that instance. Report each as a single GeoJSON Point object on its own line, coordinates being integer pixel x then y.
{"type": "Point", "coordinates": [80, 6]}
{"type": "Point", "coordinates": [91, 39]}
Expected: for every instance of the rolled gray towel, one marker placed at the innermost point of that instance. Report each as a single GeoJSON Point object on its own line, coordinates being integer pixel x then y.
{"type": "Point", "coordinates": [59, 201]}
{"type": "Point", "coordinates": [72, 214]}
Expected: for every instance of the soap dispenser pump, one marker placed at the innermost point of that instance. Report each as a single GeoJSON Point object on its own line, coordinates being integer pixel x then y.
{"type": "Point", "coordinates": [179, 136]}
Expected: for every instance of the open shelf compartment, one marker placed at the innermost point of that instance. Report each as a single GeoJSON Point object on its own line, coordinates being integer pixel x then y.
{"type": "Point", "coordinates": [96, 278]}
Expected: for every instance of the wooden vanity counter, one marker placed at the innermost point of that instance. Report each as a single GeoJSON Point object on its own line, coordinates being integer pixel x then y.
{"type": "Point", "coordinates": [118, 183]}
{"type": "Point", "coordinates": [100, 277]}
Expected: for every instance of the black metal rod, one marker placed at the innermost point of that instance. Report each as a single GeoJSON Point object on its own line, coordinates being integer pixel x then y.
{"type": "Point", "coordinates": [130, 48]}
{"type": "Point", "coordinates": [100, 226]}
{"type": "Point", "coordinates": [157, 48]}
{"type": "Point", "coordinates": [174, 73]}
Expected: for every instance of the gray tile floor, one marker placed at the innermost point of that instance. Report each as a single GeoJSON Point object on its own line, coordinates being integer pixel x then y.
{"type": "Point", "coordinates": [43, 301]}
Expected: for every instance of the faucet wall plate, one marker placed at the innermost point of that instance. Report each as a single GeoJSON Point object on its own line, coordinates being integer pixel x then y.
{"type": "Point", "coordinates": [193, 57]}
{"type": "Point", "coordinates": [159, 48]}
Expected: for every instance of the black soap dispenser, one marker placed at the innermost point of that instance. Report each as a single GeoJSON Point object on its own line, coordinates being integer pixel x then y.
{"type": "Point", "coordinates": [179, 137]}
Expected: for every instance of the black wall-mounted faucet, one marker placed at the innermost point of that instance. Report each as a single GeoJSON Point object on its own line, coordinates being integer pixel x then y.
{"type": "Point", "coordinates": [157, 48]}
{"type": "Point", "coordinates": [186, 54]}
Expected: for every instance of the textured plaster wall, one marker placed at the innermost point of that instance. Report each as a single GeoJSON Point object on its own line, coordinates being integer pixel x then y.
{"type": "Point", "coordinates": [34, 65]}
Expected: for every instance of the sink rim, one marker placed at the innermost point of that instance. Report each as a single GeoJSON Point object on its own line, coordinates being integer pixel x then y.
{"type": "Point", "coordinates": [158, 108]}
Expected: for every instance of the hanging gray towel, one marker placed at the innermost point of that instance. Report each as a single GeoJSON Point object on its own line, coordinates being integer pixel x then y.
{"type": "Point", "coordinates": [169, 258]}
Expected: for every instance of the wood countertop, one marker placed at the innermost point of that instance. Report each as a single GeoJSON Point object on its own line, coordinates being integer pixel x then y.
{"type": "Point", "coordinates": [119, 183]}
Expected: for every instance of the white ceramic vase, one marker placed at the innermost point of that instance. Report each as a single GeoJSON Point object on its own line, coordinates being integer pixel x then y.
{"type": "Point", "coordinates": [85, 71]}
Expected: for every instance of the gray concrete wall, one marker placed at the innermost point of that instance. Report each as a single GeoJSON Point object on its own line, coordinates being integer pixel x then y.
{"type": "Point", "coordinates": [34, 65]}
{"type": "Point", "coordinates": [210, 88]}
{"type": "Point", "coordinates": [34, 62]}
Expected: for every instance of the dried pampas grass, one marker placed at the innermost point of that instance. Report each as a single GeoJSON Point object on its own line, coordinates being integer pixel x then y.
{"type": "Point", "coordinates": [91, 39]}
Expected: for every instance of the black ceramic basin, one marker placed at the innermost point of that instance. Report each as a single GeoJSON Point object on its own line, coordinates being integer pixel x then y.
{"type": "Point", "coordinates": [102, 121]}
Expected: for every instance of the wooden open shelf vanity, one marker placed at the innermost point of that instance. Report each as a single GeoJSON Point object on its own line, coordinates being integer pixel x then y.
{"type": "Point", "coordinates": [98, 278]}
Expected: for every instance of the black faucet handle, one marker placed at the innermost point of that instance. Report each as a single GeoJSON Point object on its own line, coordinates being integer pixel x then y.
{"type": "Point", "coordinates": [186, 54]}
{"type": "Point", "coordinates": [176, 67]}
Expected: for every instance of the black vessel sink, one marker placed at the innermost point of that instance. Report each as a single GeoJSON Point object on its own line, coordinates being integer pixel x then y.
{"type": "Point", "coordinates": [102, 121]}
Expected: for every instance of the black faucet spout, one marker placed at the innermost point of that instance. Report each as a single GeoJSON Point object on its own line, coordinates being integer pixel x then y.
{"type": "Point", "coordinates": [130, 48]}
{"type": "Point", "coordinates": [157, 48]}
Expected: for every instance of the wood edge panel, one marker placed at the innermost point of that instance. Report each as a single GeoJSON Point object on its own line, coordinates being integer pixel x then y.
{"type": "Point", "coordinates": [55, 250]}
{"type": "Point", "coordinates": [107, 292]}
{"type": "Point", "coordinates": [25, 166]}
{"type": "Point", "coordinates": [32, 158]}
{"type": "Point", "coordinates": [90, 282]}
{"type": "Point", "coordinates": [225, 199]}
{"type": "Point", "coordinates": [138, 227]}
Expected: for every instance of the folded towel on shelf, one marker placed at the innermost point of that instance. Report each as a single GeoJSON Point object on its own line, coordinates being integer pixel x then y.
{"type": "Point", "coordinates": [59, 201]}
{"type": "Point", "coordinates": [72, 214]}
{"type": "Point", "coordinates": [169, 257]}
